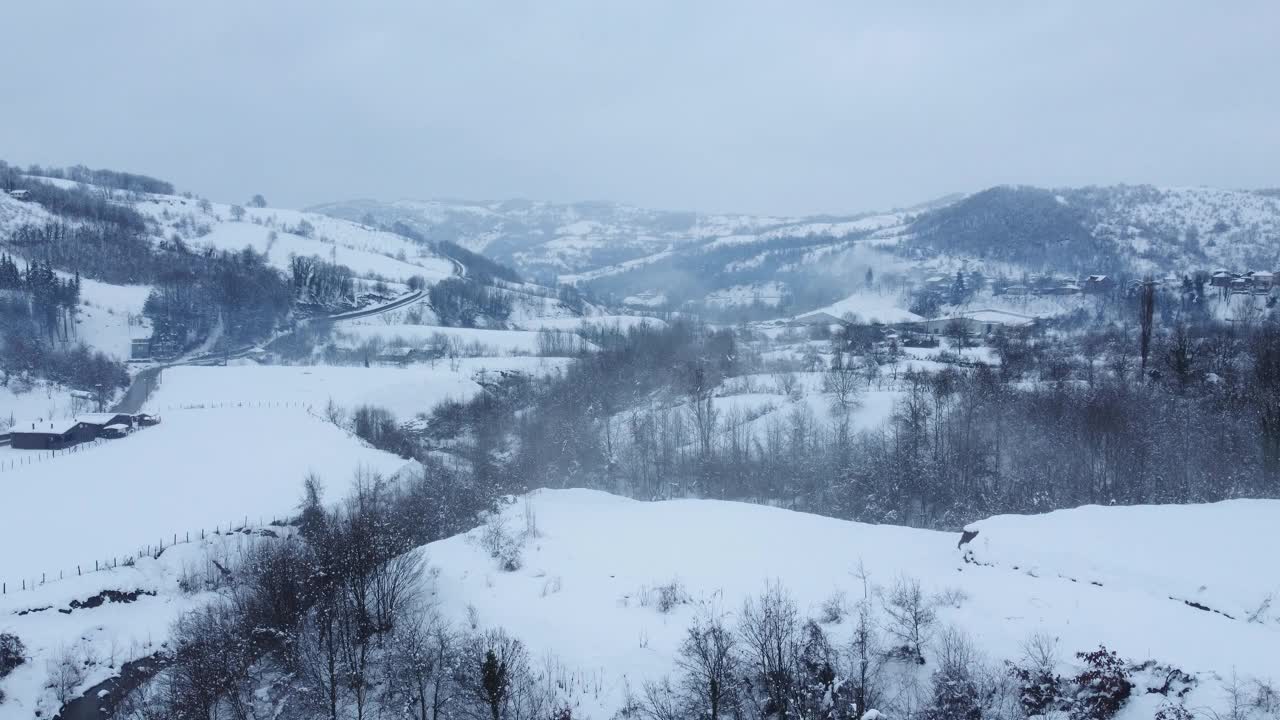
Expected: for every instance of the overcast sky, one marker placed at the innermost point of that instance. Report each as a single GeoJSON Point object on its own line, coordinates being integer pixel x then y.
{"type": "Point", "coordinates": [777, 107]}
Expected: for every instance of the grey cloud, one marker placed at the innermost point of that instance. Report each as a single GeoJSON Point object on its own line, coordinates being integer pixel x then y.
{"type": "Point", "coordinates": [751, 106]}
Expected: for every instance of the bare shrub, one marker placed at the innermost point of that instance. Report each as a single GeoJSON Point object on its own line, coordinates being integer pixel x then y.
{"type": "Point", "coordinates": [952, 597]}
{"type": "Point", "coordinates": [834, 608]}
{"type": "Point", "coordinates": [65, 674]}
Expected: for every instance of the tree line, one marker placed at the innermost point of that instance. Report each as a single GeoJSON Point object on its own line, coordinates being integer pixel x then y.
{"type": "Point", "coordinates": [1056, 424]}
{"type": "Point", "coordinates": [37, 330]}
{"type": "Point", "coordinates": [113, 179]}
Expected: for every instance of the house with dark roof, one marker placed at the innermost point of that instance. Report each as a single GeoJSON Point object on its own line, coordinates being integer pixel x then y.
{"type": "Point", "coordinates": [1096, 284]}
{"type": "Point", "coordinates": [97, 421]}
{"type": "Point", "coordinates": [49, 434]}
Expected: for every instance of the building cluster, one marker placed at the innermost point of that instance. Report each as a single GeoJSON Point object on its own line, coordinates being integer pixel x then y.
{"type": "Point", "coordinates": [1051, 285]}
{"type": "Point", "coordinates": [1252, 282]}
{"type": "Point", "coordinates": [62, 434]}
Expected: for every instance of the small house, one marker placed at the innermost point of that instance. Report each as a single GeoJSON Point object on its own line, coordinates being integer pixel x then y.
{"type": "Point", "coordinates": [49, 434]}
{"type": "Point", "coordinates": [98, 421]}
{"type": "Point", "coordinates": [398, 355]}
{"type": "Point", "coordinates": [1263, 280]}
{"type": "Point", "coordinates": [1221, 278]}
{"type": "Point", "coordinates": [140, 348]}
{"type": "Point", "coordinates": [1098, 284]}
{"type": "Point", "coordinates": [19, 194]}
{"type": "Point", "coordinates": [114, 431]}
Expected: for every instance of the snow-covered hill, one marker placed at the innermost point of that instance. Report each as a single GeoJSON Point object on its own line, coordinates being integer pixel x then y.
{"type": "Point", "coordinates": [594, 564]}
{"type": "Point", "coordinates": [607, 588]}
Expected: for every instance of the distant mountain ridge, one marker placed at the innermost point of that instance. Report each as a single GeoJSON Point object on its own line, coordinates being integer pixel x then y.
{"type": "Point", "coordinates": [691, 260]}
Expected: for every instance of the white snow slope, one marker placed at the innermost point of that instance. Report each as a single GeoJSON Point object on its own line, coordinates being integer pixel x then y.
{"type": "Point", "coordinates": [196, 469]}
{"type": "Point", "coordinates": [581, 594]}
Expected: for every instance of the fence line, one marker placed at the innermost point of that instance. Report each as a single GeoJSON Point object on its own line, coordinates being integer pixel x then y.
{"type": "Point", "coordinates": [152, 551]}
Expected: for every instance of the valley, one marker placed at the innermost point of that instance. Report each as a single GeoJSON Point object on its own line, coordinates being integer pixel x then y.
{"type": "Point", "coordinates": [927, 452]}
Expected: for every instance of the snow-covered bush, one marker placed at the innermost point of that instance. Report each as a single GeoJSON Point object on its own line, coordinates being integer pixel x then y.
{"type": "Point", "coordinates": [957, 694]}
{"type": "Point", "coordinates": [664, 598]}
{"type": "Point", "coordinates": [833, 609]}
{"type": "Point", "coordinates": [1173, 711]}
{"type": "Point", "coordinates": [501, 544]}
{"type": "Point", "coordinates": [1102, 686]}
{"type": "Point", "coordinates": [12, 653]}
{"type": "Point", "coordinates": [1039, 686]}
{"type": "Point", "coordinates": [671, 595]}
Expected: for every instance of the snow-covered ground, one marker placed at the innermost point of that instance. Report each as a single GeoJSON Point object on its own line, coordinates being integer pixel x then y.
{"type": "Point", "coordinates": [197, 469]}
{"type": "Point", "coordinates": [405, 391]}
{"type": "Point", "coordinates": [582, 593]}
{"type": "Point", "coordinates": [1213, 555]}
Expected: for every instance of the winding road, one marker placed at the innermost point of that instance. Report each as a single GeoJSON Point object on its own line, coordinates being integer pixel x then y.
{"type": "Point", "coordinates": [146, 381]}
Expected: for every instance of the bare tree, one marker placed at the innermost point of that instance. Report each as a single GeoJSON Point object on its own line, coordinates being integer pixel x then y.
{"type": "Point", "coordinates": [770, 632]}
{"type": "Point", "coordinates": [319, 658]}
{"type": "Point", "coordinates": [865, 656]}
{"type": "Point", "coordinates": [392, 589]}
{"type": "Point", "coordinates": [841, 382]}
{"type": "Point", "coordinates": [709, 665]}
{"type": "Point", "coordinates": [419, 663]}
{"type": "Point", "coordinates": [1146, 318]}
{"type": "Point", "coordinates": [702, 411]}
{"type": "Point", "coordinates": [958, 331]}
{"type": "Point", "coordinates": [495, 681]}
{"type": "Point", "coordinates": [911, 616]}
{"type": "Point", "coordinates": [65, 674]}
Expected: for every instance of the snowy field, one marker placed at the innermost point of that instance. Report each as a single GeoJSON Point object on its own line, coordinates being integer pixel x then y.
{"type": "Point", "coordinates": [197, 469]}
{"type": "Point", "coordinates": [405, 391]}
{"type": "Point", "coordinates": [582, 595]}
